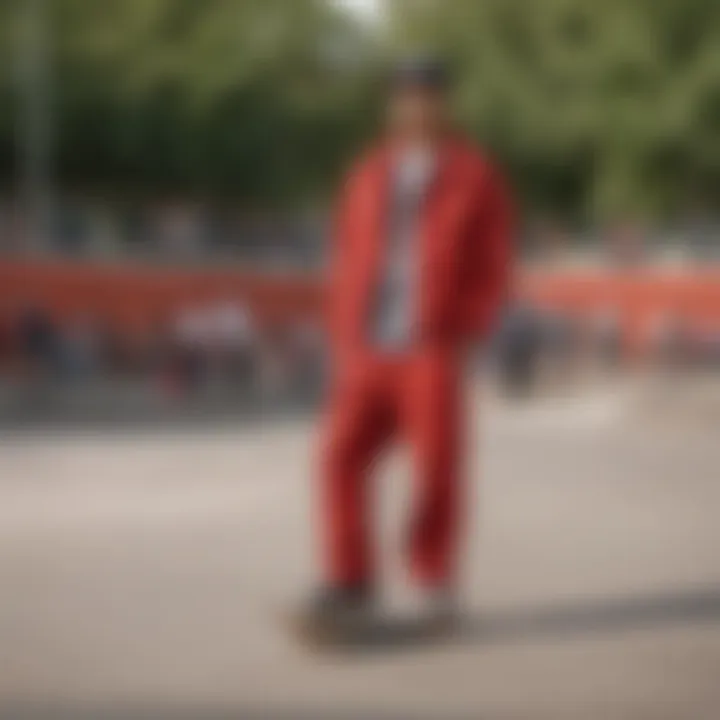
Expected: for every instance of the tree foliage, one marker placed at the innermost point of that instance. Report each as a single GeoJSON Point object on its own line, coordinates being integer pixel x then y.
{"type": "Point", "coordinates": [597, 107]}
{"type": "Point", "coordinates": [239, 98]}
{"type": "Point", "coordinates": [601, 108]}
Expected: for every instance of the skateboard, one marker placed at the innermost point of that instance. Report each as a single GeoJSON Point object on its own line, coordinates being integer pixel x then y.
{"type": "Point", "coordinates": [374, 632]}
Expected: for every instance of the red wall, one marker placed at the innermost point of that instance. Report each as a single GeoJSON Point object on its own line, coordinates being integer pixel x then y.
{"type": "Point", "coordinates": [639, 296]}
{"type": "Point", "coordinates": [138, 297]}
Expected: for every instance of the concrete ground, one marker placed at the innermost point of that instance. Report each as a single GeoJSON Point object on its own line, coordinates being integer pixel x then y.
{"type": "Point", "coordinates": [144, 575]}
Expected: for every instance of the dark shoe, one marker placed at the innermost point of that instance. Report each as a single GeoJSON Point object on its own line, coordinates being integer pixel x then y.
{"type": "Point", "coordinates": [334, 613]}
{"type": "Point", "coordinates": [442, 609]}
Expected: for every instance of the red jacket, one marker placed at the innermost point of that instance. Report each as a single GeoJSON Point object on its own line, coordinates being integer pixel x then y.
{"type": "Point", "coordinates": [464, 245]}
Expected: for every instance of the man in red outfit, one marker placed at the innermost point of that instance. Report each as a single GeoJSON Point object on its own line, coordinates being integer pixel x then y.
{"type": "Point", "coordinates": [420, 271]}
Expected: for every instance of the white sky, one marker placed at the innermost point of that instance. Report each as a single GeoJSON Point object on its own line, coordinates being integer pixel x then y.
{"type": "Point", "coordinates": [366, 8]}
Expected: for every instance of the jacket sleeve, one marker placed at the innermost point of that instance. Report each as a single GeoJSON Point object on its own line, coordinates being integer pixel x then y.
{"type": "Point", "coordinates": [487, 272]}
{"type": "Point", "coordinates": [337, 267]}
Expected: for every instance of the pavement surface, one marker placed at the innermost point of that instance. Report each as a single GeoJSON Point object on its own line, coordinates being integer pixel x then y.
{"type": "Point", "coordinates": [145, 573]}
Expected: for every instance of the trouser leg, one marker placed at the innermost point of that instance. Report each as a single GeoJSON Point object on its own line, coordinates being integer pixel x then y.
{"type": "Point", "coordinates": [432, 422]}
{"type": "Point", "coordinates": [357, 428]}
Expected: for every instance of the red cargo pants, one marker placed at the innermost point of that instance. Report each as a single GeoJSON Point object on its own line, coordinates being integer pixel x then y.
{"type": "Point", "coordinates": [413, 397]}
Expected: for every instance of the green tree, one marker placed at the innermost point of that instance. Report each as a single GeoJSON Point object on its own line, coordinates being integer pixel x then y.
{"type": "Point", "coordinates": [600, 108]}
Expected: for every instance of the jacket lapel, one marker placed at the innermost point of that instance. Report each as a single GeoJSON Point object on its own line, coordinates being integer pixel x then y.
{"type": "Point", "coordinates": [372, 225]}
{"type": "Point", "coordinates": [436, 236]}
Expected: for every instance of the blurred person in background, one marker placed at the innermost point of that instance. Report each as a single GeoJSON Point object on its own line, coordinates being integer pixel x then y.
{"type": "Point", "coordinates": [307, 349]}
{"type": "Point", "coordinates": [39, 343]}
{"type": "Point", "coordinates": [234, 340]}
{"type": "Point", "coordinates": [193, 329]}
{"type": "Point", "coordinates": [519, 351]}
{"type": "Point", "coordinates": [420, 270]}
{"type": "Point", "coordinates": [80, 348]}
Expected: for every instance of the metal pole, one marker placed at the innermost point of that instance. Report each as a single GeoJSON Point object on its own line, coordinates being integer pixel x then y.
{"type": "Point", "coordinates": [34, 127]}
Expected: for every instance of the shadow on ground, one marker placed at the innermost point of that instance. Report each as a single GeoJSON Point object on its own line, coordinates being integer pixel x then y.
{"type": "Point", "coordinates": [538, 623]}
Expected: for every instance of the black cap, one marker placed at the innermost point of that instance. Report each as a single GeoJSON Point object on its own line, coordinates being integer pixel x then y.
{"type": "Point", "coordinates": [421, 71]}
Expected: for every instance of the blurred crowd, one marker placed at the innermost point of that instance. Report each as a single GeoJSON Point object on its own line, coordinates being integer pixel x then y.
{"type": "Point", "coordinates": [226, 350]}
{"type": "Point", "coordinates": [534, 345]}
{"type": "Point", "coordinates": [216, 348]}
